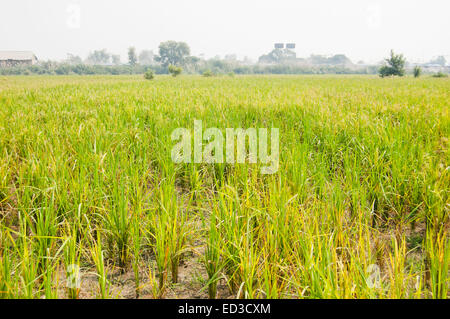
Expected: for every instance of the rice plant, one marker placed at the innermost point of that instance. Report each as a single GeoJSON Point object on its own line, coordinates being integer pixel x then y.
{"type": "Point", "coordinates": [357, 209]}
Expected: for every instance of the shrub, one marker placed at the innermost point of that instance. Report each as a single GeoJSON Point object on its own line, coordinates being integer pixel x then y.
{"type": "Point", "coordinates": [175, 70]}
{"type": "Point", "coordinates": [149, 75]}
{"type": "Point", "coordinates": [440, 75]}
{"type": "Point", "coordinates": [417, 71]}
{"type": "Point", "coordinates": [207, 73]}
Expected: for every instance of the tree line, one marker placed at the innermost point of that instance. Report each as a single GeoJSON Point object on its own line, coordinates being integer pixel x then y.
{"type": "Point", "coordinates": [175, 57]}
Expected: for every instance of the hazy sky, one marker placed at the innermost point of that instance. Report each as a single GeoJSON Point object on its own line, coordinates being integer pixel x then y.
{"type": "Point", "coordinates": [360, 29]}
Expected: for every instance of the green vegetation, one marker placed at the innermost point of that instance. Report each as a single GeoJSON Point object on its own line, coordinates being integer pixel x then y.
{"type": "Point", "coordinates": [52, 68]}
{"type": "Point", "coordinates": [440, 75]}
{"type": "Point", "coordinates": [149, 74]}
{"type": "Point", "coordinates": [132, 58]}
{"type": "Point", "coordinates": [86, 179]}
{"type": "Point", "coordinates": [172, 53]}
{"type": "Point", "coordinates": [278, 61]}
{"type": "Point", "coordinates": [207, 73]}
{"type": "Point", "coordinates": [395, 66]}
{"type": "Point", "coordinates": [417, 71]}
{"type": "Point", "coordinates": [175, 70]}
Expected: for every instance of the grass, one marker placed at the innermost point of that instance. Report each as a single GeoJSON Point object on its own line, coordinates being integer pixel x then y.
{"type": "Point", "coordinates": [86, 179]}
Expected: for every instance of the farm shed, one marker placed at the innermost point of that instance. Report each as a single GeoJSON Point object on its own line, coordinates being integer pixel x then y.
{"type": "Point", "coordinates": [14, 58]}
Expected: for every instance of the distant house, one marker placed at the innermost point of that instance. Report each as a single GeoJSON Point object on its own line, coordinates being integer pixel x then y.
{"type": "Point", "coordinates": [14, 58]}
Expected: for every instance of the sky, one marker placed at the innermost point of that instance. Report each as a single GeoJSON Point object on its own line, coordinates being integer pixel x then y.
{"type": "Point", "coordinates": [361, 29]}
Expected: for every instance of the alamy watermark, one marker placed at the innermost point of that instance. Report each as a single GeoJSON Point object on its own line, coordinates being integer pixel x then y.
{"type": "Point", "coordinates": [237, 150]}
{"type": "Point", "coordinates": [73, 16]}
{"type": "Point", "coordinates": [73, 276]}
{"type": "Point", "coordinates": [373, 279]}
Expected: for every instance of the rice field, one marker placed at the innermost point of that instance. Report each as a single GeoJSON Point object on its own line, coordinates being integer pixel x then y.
{"type": "Point", "coordinates": [92, 206]}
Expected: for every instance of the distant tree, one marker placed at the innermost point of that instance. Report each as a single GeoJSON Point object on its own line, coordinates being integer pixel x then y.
{"type": "Point", "coordinates": [73, 59]}
{"type": "Point", "coordinates": [274, 56]}
{"type": "Point", "coordinates": [132, 58]}
{"type": "Point", "coordinates": [231, 57]}
{"type": "Point", "coordinates": [395, 66]}
{"type": "Point", "coordinates": [191, 60]}
{"type": "Point", "coordinates": [339, 59]}
{"type": "Point", "coordinates": [98, 57]}
{"type": "Point", "coordinates": [439, 60]}
{"type": "Point", "coordinates": [191, 63]}
{"type": "Point", "coordinates": [175, 70]}
{"type": "Point", "coordinates": [63, 69]}
{"type": "Point", "coordinates": [172, 53]}
{"type": "Point", "coordinates": [317, 59]}
{"type": "Point", "coordinates": [115, 59]}
{"type": "Point", "coordinates": [277, 56]}
{"type": "Point", "coordinates": [417, 71]}
{"type": "Point", "coordinates": [146, 57]}
{"type": "Point", "coordinates": [289, 54]}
